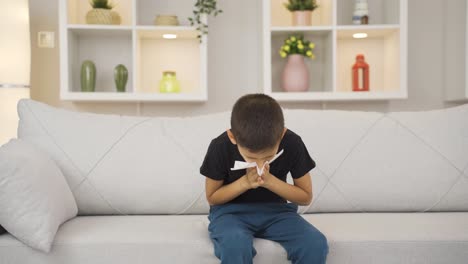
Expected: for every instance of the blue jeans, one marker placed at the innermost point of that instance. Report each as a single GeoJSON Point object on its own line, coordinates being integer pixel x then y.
{"type": "Point", "coordinates": [233, 227]}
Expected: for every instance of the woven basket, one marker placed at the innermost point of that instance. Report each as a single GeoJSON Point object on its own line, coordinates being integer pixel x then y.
{"type": "Point", "coordinates": [166, 20]}
{"type": "Point", "coordinates": [102, 16]}
{"type": "Point", "coordinates": [115, 18]}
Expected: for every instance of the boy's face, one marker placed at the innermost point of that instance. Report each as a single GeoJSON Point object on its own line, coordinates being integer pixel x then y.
{"type": "Point", "coordinates": [259, 157]}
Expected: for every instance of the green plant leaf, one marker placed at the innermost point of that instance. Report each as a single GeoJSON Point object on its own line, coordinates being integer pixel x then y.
{"type": "Point", "coordinates": [202, 7]}
{"type": "Point", "coordinates": [301, 5]}
{"type": "Point", "coordinates": [105, 4]}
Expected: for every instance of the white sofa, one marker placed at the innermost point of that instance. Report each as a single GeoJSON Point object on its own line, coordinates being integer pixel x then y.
{"type": "Point", "coordinates": [388, 188]}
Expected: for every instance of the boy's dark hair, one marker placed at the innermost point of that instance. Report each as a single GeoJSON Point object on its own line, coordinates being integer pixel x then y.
{"type": "Point", "coordinates": [257, 122]}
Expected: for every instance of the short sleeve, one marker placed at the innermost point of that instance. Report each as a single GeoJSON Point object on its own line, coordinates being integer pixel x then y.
{"type": "Point", "coordinates": [212, 166]}
{"type": "Point", "coordinates": [302, 162]}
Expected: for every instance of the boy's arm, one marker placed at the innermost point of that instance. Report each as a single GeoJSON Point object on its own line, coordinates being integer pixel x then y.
{"type": "Point", "coordinates": [216, 193]}
{"type": "Point", "coordinates": [299, 193]}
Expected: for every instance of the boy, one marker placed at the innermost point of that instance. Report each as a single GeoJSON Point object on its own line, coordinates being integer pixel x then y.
{"type": "Point", "coordinates": [252, 203]}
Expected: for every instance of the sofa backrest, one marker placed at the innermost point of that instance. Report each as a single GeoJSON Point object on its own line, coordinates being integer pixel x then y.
{"type": "Point", "coordinates": [366, 161]}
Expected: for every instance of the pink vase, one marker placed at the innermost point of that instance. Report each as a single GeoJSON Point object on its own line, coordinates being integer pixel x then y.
{"type": "Point", "coordinates": [302, 18]}
{"type": "Point", "coordinates": [295, 76]}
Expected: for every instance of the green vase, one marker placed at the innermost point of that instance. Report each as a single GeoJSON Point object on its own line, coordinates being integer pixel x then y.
{"type": "Point", "coordinates": [88, 76]}
{"type": "Point", "coordinates": [120, 77]}
{"type": "Point", "coordinates": [169, 83]}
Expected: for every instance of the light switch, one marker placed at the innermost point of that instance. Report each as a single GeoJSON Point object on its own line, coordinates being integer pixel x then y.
{"type": "Point", "coordinates": [46, 39]}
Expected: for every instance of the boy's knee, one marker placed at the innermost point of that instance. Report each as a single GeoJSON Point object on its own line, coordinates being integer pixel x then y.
{"type": "Point", "coordinates": [313, 248]}
{"type": "Point", "coordinates": [322, 243]}
{"type": "Point", "coordinates": [237, 243]}
{"type": "Point", "coordinates": [318, 242]}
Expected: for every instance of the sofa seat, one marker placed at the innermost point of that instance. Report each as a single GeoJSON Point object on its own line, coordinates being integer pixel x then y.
{"type": "Point", "coordinates": [352, 237]}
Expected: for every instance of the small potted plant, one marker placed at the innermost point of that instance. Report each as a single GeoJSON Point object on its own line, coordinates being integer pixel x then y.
{"type": "Point", "coordinates": [295, 76]}
{"type": "Point", "coordinates": [301, 11]}
{"type": "Point", "coordinates": [102, 13]}
{"type": "Point", "coordinates": [201, 9]}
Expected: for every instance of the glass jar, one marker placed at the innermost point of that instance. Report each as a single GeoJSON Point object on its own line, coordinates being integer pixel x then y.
{"type": "Point", "coordinates": [169, 83]}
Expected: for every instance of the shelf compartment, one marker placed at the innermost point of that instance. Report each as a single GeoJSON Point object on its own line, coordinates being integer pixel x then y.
{"type": "Point", "coordinates": [106, 48]}
{"type": "Point", "coordinates": [320, 68]}
{"type": "Point", "coordinates": [77, 10]}
{"type": "Point", "coordinates": [282, 17]}
{"type": "Point", "coordinates": [138, 44]}
{"type": "Point", "coordinates": [147, 10]}
{"type": "Point", "coordinates": [380, 12]}
{"type": "Point", "coordinates": [381, 50]}
{"type": "Point", "coordinates": [154, 55]}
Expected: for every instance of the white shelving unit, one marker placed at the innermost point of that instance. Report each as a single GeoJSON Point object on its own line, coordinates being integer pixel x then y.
{"type": "Point", "coordinates": [385, 49]}
{"type": "Point", "coordinates": [139, 45]}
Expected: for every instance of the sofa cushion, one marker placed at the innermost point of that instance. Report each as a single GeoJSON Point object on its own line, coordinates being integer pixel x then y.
{"type": "Point", "coordinates": [125, 165]}
{"type": "Point", "coordinates": [366, 161]}
{"type": "Point", "coordinates": [352, 238]}
{"type": "Point", "coordinates": [34, 196]}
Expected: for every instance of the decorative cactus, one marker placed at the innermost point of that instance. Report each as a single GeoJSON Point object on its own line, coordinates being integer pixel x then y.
{"type": "Point", "coordinates": [88, 76]}
{"type": "Point", "coordinates": [120, 77]}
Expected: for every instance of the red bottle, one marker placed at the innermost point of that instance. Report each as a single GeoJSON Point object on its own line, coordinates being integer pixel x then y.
{"type": "Point", "coordinates": [360, 75]}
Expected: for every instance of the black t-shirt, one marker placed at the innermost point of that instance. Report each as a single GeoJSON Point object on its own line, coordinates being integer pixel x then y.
{"type": "Point", "coordinates": [222, 154]}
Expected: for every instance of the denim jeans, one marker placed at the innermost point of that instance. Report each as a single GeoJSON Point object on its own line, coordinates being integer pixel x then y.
{"type": "Point", "coordinates": [233, 227]}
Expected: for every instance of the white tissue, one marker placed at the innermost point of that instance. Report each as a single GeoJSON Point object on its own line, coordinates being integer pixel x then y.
{"type": "Point", "coordinates": [241, 165]}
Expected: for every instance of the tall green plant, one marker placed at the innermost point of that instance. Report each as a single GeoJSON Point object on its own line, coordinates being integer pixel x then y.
{"type": "Point", "coordinates": [301, 5]}
{"type": "Point", "coordinates": [207, 7]}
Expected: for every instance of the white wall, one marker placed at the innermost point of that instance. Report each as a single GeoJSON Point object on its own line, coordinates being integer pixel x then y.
{"type": "Point", "coordinates": [8, 114]}
{"type": "Point", "coordinates": [234, 59]}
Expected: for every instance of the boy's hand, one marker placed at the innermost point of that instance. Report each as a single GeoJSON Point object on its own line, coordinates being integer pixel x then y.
{"type": "Point", "coordinates": [253, 180]}
{"type": "Point", "coordinates": [266, 176]}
